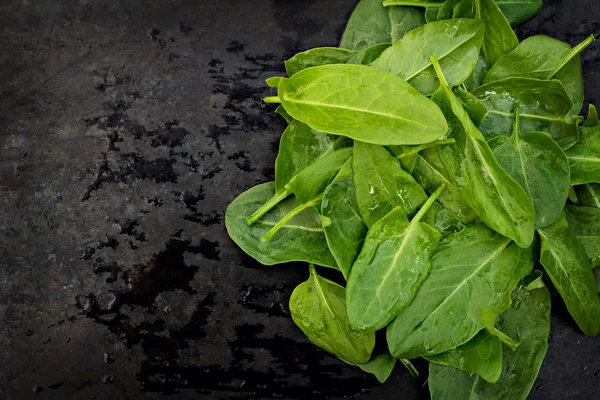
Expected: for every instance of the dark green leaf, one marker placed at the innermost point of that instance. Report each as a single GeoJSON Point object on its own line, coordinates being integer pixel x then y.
{"type": "Point", "coordinates": [489, 190]}
{"type": "Point", "coordinates": [301, 239]}
{"type": "Point", "coordinates": [371, 23]}
{"type": "Point", "coordinates": [473, 270]}
{"type": "Point", "coordinates": [318, 307]}
{"type": "Point", "coordinates": [528, 320]}
{"type": "Point", "coordinates": [584, 157]}
{"type": "Point", "coordinates": [541, 168]}
{"type": "Point", "coordinates": [317, 56]}
{"type": "Point", "coordinates": [566, 264]}
{"type": "Point", "coordinates": [407, 155]}
{"type": "Point", "coordinates": [545, 107]}
{"type": "Point", "coordinates": [362, 103]}
{"type": "Point", "coordinates": [455, 42]}
{"type": "Point", "coordinates": [542, 57]}
{"type": "Point", "coordinates": [344, 228]}
{"type": "Point", "coordinates": [368, 55]}
{"type": "Point", "coordinates": [517, 12]}
{"type": "Point", "coordinates": [481, 355]}
{"type": "Point", "coordinates": [585, 224]}
{"type": "Point", "coordinates": [281, 111]}
{"type": "Point", "coordinates": [381, 184]}
{"type": "Point", "coordinates": [393, 263]}
{"type": "Point", "coordinates": [588, 194]}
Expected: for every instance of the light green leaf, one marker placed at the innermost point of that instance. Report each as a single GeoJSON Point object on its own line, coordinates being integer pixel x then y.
{"type": "Point", "coordinates": [362, 103]}
{"type": "Point", "coordinates": [585, 224]}
{"type": "Point", "coordinates": [317, 56]}
{"type": "Point", "coordinates": [584, 157]}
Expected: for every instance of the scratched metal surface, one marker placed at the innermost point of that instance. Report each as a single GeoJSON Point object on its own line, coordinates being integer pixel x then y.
{"type": "Point", "coordinates": [126, 127]}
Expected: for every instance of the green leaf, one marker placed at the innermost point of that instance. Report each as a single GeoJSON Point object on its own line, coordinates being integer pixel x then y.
{"type": "Point", "coordinates": [584, 157]}
{"type": "Point", "coordinates": [528, 320]}
{"type": "Point", "coordinates": [499, 201]}
{"type": "Point", "coordinates": [588, 194]}
{"type": "Point", "coordinates": [499, 38]}
{"type": "Point", "coordinates": [317, 56]}
{"type": "Point", "coordinates": [393, 263]}
{"type": "Point", "coordinates": [541, 167]}
{"type": "Point", "coordinates": [281, 111]}
{"type": "Point", "coordinates": [371, 23]}
{"type": "Point", "coordinates": [368, 55]}
{"type": "Point", "coordinates": [430, 173]}
{"type": "Point", "coordinates": [300, 146]}
{"type": "Point", "coordinates": [481, 355]}
{"type": "Point", "coordinates": [310, 183]}
{"type": "Point", "coordinates": [569, 269]}
{"type": "Point", "coordinates": [301, 239]}
{"type": "Point", "coordinates": [517, 12]}
{"type": "Point", "coordinates": [381, 184]}
{"type": "Point", "coordinates": [592, 118]}
{"type": "Point", "coordinates": [362, 103]}
{"type": "Point", "coordinates": [455, 42]}
{"type": "Point", "coordinates": [476, 108]}
{"type": "Point", "coordinates": [585, 224]}
{"type": "Point", "coordinates": [473, 270]}
{"type": "Point", "coordinates": [542, 57]}
{"type": "Point", "coordinates": [481, 69]}
{"type": "Point", "coordinates": [407, 155]}
{"type": "Point", "coordinates": [381, 365]}
{"type": "Point", "coordinates": [345, 231]}
{"type": "Point", "coordinates": [318, 307]}
{"type": "Point", "coordinates": [443, 220]}
{"type": "Point", "coordinates": [545, 107]}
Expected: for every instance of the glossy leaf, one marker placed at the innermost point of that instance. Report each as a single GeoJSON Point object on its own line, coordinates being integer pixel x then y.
{"type": "Point", "coordinates": [381, 184]}
{"type": "Point", "coordinates": [368, 55]}
{"type": "Point", "coordinates": [585, 224]}
{"type": "Point", "coordinates": [584, 157]}
{"type": "Point", "coordinates": [443, 220]}
{"type": "Point", "coordinates": [499, 37]}
{"type": "Point", "coordinates": [362, 103]}
{"type": "Point", "coordinates": [481, 355]}
{"type": "Point", "coordinates": [542, 57]}
{"type": "Point", "coordinates": [381, 365]}
{"type": "Point", "coordinates": [393, 263]}
{"type": "Point", "coordinates": [541, 167]}
{"type": "Point", "coordinates": [371, 23]}
{"type": "Point", "coordinates": [318, 307]}
{"type": "Point", "coordinates": [499, 201]}
{"type": "Point", "coordinates": [455, 43]}
{"type": "Point", "coordinates": [301, 239]}
{"type": "Point", "coordinates": [300, 146]}
{"type": "Point", "coordinates": [407, 155]}
{"type": "Point", "coordinates": [344, 228]}
{"type": "Point", "coordinates": [317, 56]}
{"type": "Point", "coordinates": [566, 264]}
{"type": "Point", "coordinates": [545, 107]}
{"type": "Point", "coordinates": [473, 270]}
{"type": "Point", "coordinates": [529, 321]}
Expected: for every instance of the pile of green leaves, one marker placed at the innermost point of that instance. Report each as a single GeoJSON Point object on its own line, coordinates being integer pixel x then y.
{"type": "Point", "coordinates": [443, 169]}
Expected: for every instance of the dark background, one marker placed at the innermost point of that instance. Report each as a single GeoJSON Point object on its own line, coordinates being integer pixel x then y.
{"type": "Point", "coordinates": [126, 127]}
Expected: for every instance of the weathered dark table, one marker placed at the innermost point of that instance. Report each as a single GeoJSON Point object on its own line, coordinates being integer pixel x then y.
{"type": "Point", "coordinates": [126, 127]}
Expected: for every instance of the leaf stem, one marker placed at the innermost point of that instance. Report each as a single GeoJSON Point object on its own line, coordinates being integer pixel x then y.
{"type": "Point", "coordinates": [414, 3]}
{"type": "Point", "coordinates": [513, 344]}
{"type": "Point", "coordinates": [517, 124]}
{"type": "Point", "coordinates": [287, 218]}
{"type": "Point", "coordinates": [410, 367]}
{"type": "Point", "coordinates": [428, 204]}
{"type": "Point", "coordinates": [438, 71]}
{"type": "Point", "coordinates": [265, 208]}
{"type": "Point", "coordinates": [272, 100]}
{"type": "Point", "coordinates": [576, 50]}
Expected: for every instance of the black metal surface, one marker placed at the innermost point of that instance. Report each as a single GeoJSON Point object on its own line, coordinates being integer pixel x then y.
{"type": "Point", "coordinates": [126, 127]}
